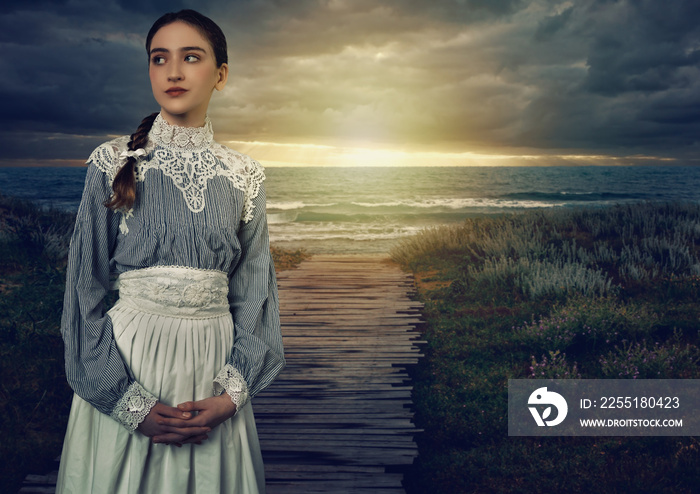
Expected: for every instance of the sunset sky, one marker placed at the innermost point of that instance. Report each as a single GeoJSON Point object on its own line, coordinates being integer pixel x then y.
{"type": "Point", "coordinates": [369, 82]}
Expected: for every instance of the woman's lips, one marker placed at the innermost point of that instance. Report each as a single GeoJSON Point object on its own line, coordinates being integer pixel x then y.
{"type": "Point", "coordinates": [176, 91]}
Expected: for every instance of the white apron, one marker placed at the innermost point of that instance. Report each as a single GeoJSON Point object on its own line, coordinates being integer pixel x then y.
{"type": "Point", "coordinates": [174, 331]}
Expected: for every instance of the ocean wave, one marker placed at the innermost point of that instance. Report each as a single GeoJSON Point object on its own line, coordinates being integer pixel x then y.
{"type": "Point", "coordinates": [381, 218]}
{"type": "Point", "coordinates": [293, 205]}
{"type": "Point", "coordinates": [527, 200]}
{"type": "Point", "coordinates": [276, 218]}
{"type": "Point", "coordinates": [459, 203]}
{"type": "Point", "coordinates": [568, 196]}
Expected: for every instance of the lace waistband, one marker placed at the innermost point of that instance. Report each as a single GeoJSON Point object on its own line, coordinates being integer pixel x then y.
{"type": "Point", "coordinates": [175, 291]}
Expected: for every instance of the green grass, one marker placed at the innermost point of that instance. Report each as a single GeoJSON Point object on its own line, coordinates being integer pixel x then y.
{"type": "Point", "coordinates": [34, 395]}
{"type": "Point", "coordinates": [597, 293]}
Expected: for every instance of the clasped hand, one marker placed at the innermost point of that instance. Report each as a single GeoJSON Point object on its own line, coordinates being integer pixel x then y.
{"type": "Point", "coordinates": [189, 422]}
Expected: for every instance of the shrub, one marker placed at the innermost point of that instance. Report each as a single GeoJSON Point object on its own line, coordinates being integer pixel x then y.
{"type": "Point", "coordinates": [588, 323]}
{"type": "Point", "coordinates": [661, 361]}
{"type": "Point", "coordinates": [42, 232]}
{"type": "Point", "coordinates": [554, 367]}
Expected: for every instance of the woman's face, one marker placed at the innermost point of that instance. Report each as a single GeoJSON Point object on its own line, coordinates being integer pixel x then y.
{"type": "Point", "coordinates": [183, 73]}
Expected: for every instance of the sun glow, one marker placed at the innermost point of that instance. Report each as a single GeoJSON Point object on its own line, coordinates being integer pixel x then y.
{"type": "Point", "coordinates": [283, 154]}
{"type": "Point", "coordinates": [275, 154]}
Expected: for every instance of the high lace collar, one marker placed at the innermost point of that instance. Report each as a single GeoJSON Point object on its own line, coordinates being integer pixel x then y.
{"type": "Point", "coordinates": [186, 138]}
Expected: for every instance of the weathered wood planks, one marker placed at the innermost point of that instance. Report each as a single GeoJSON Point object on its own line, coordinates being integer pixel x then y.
{"type": "Point", "coordinates": [338, 419]}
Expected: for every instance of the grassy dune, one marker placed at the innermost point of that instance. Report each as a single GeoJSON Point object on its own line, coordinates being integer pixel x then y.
{"type": "Point", "coordinates": [599, 293]}
{"type": "Point", "coordinates": [604, 293]}
{"type": "Point", "coordinates": [34, 395]}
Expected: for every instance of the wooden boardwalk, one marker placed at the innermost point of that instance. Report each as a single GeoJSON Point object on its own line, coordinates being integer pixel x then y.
{"type": "Point", "coordinates": [338, 419]}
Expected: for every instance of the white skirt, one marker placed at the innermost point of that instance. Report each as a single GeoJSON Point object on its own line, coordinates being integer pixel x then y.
{"type": "Point", "coordinates": [174, 332]}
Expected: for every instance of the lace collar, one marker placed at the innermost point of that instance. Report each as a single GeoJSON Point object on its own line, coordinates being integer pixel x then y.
{"type": "Point", "coordinates": [185, 138]}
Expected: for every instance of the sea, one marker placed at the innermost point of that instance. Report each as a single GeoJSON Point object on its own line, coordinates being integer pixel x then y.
{"type": "Point", "coordinates": [371, 209]}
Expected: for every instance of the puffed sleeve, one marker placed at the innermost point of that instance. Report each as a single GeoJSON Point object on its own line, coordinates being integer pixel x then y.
{"type": "Point", "coordinates": [94, 368]}
{"type": "Point", "coordinates": [257, 356]}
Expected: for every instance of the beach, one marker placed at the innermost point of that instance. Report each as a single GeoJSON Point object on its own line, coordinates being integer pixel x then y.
{"type": "Point", "coordinates": [546, 293]}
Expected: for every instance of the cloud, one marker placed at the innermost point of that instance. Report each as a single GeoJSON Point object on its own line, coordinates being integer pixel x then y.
{"type": "Point", "coordinates": [614, 77]}
{"type": "Point", "coordinates": [78, 75]}
{"type": "Point", "coordinates": [639, 87]}
{"type": "Point", "coordinates": [642, 46]}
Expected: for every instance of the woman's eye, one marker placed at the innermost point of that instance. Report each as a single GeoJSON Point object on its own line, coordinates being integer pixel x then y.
{"type": "Point", "coordinates": [191, 58]}
{"type": "Point", "coordinates": [158, 60]}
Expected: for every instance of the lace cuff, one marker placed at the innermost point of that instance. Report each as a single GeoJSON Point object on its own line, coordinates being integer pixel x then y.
{"type": "Point", "coordinates": [133, 407]}
{"type": "Point", "coordinates": [231, 381]}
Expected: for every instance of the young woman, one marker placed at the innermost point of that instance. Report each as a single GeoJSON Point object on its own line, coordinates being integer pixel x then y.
{"type": "Point", "coordinates": [163, 379]}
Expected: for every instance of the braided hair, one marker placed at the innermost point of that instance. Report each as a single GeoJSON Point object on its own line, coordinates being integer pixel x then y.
{"type": "Point", "coordinates": [124, 184]}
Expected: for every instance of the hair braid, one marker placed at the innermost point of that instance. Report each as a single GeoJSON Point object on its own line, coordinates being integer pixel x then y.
{"type": "Point", "coordinates": [124, 184]}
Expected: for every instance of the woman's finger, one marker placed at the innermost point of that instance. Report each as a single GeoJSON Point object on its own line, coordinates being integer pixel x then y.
{"type": "Point", "coordinates": [167, 422]}
{"type": "Point", "coordinates": [187, 406]}
{"type": "Point", "coordinates": [198, 421]}
{"type": "Point", "coordinates": [184, 431]}
{"type": "Point", "coordinates": [167, 411]}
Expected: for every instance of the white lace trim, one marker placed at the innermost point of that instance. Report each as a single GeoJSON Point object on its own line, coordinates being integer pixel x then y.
{"type": "Point", "coordinates": [123, 227]}
{"type": "Point", "coordinates": [177, 267]}
{"type": "Point", "coordinates": [231, 381]}
{"type": "Point", "coordinates": [256, 176]}
{"type": "Point", "coordinates": [190, 157]}
{"type": "Point", "coordinates": [133, 407]}
{"type": "Point", "coordinates": [184, 138]}
{"type": "Point", "coordinates": [176, 292]}
{"type": "Point", "coordinates": [105, 157]}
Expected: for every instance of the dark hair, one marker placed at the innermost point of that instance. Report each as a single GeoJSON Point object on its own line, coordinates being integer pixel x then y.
{"type": "Point", "coordinates": [124, 184]}
{"type": "Point", "coordinates": [206, 27]}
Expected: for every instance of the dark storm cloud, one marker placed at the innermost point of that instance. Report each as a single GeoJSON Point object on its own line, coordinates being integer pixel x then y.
{"type": "Point", "coordinates": [644, 47]}
{"type": "Point", "coordinates": [616, 77]}
{"type": "Point", "coordinates": [460, 10]}
{"type": "Point", "coordinates": [641, 85]}
{"type": "Point", "coordinates": [152, 7]}
{"type": "Point", "coordinates": [67, 73]}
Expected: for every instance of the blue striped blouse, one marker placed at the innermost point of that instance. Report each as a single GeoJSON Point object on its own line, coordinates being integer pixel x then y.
{"type": "Point", "coordinates": [200, 205]}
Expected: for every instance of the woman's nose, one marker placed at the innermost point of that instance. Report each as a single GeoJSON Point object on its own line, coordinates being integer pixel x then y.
{"type": "Point", "coordinates": [175, 73]}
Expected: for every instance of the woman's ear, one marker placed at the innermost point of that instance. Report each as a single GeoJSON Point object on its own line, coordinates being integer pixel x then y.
{"type": "Point", "coordinates": [223, 77]}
